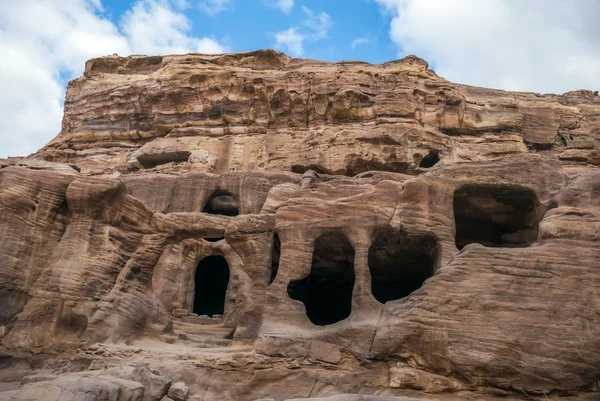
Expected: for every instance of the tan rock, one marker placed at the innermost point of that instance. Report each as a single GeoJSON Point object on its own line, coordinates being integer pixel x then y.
{"type": "Point", "coordinates": [197, 112]}
{"type": "Point", "coordinates": [402, 376]}
{"type": "Point", "coordinates": [258, 226]}
{"type": "Point", "coordinates": [178, 391]}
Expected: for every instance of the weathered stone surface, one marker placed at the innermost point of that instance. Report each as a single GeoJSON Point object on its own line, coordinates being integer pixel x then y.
{"type": "Point", "coordinates": [256, 226]}
{"type": "Point", "coordinates": [355, 397]}
{"type": "Point", "coordinates": [178, 391]}
{"type": "Point", "coordinates": [265, 111]}
{"type": "Point", "coordinates": [71, 388]}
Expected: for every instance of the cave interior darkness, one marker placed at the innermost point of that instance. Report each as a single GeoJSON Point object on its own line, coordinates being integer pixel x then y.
{"type": "Point", "coordinates": [211, 281]}
{"type": "Point", "coordinates": [222, 203]}
{"type": "Point", "coordinates": [275, 255]}
{"type": "Point", "coordinates": [400, 264]}
{"type": "Point", "coordinates": [496, 215]}
{"type": "Point", "coordinates": [327, 291]}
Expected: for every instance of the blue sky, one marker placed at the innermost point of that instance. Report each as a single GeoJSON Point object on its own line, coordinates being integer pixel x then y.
{"type": "Point", "coordinates": [253, 24]}
{"type": "Point", "coordinates": [547, 46]}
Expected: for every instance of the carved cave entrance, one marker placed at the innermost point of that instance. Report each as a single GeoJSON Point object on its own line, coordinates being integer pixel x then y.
{"type": "Point", "coordinates": [400, 265]}
{"type": "Point", "coordinates": [211, 281]}
{"type": "Point", "coordinates": [222, 203]}
{"type": "Point", "coordinates": [327, 291]}
{"type": "Point", "coordinates": [430, 160]}
{"type": "Point", "coordinates": [495, 216]}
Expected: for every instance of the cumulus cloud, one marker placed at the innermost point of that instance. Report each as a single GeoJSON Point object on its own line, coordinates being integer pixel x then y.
{"type": "Point", "coordinates": [45, 43]}
{"type": "Point", "coordinates": [534, 45]}
{"type": "Point", "coordinates": [291, 40]}
{"type": "Point", "coordinates": [284, 5]}
{"type": "Point", "coordinates": [140, 28]}
{"type": "Point", "coordinates": [359, 41]}
{"type": "Point", "coordinates": [213, 7]}
{"type": "Point", "coordinates": [316, 26]}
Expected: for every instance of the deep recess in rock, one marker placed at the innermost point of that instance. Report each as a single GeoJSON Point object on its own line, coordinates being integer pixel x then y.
{"type": "Point", "coordinates": [327, 291]}
{"type": "Point", "coordinates": [359, 166]}
{"type": "Point", "coordinates": [275, 254]}
{"type": "Point", "coordinates": [216, 239]}
{"type": "Point", "coordinates": [150, 160]}
{"type": "Point", "coordinates": [211, 280]}
{"type": "Point", "coordinates": [400, 266]}
{"type": "Point", "coordinates": [495, 215]}
{"type": "Point", "coordinates": [430, 159]}
{"type": "Point", "coordinates": [222, 203]}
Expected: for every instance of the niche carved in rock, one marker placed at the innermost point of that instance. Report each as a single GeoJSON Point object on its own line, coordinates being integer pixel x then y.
{"type": "Point", "coordinates": [399, 265]}
{"type": "Point", "coordinates": [495, 215]}
{"type": "Point", "coordinates": [222, 203]}
{"type": "Point", "coordinates": [327, 291]}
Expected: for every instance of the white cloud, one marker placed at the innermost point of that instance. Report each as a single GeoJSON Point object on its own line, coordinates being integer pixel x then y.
{"type": "Point", "coordinates": [292, 39]}
{"type": "Point", "coordinates": [534, 45]}
{"type": "Point", "coordinates": [359, 41]}
{"type": "Point", "coordinates": [212, 7]}
{"type": "Point", "coordinates": [140, 27]}
{"type": "Point", "coordinates": [319, 23]}
{"type": "Point", "coordinates": [46, 42]}
{"type": "Point", "coordinates": [284, 5]}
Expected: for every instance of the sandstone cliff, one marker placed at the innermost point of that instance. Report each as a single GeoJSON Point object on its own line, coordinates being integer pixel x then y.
{"type": "Point", "coordinates": [254, 226]}
{"type": "Point", "coordinates": [265, 111]}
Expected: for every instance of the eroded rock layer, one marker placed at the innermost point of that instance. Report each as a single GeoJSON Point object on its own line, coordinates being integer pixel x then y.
{"type": "Point", "coordinates": [244, 226]}
{"type": "Point", "coordinates": [265, 111]}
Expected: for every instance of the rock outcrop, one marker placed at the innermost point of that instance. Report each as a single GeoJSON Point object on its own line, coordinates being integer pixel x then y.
{"type": "Point", "coordinates": [250, 225]}
{"type": "Point", "coordinates": [265, 111]}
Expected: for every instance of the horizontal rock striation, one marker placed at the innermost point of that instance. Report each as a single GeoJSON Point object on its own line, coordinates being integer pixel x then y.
{"type": "Point", "coordinates": [266, 111]}
{"type": "Point", "coordinates": [250, 225]}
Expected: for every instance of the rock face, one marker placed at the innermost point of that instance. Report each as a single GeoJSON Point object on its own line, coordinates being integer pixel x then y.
{"type": "Point", "coordinates": [250, 226]}
{"type": "Point", "coordinates": [265, 111]}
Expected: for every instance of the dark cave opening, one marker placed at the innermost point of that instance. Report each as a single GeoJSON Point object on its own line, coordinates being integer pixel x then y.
{"type": "Point", "coordinates": [275, 254]}
{"type": "Point", "coordinates": [327, 291]}
{"type": "Point", "coordinates": [215, 239]}
{"type": "Point", "coordinates": [211, 281]}
{"type": "Point", "coordinates": [359, 166]}
{"type": "Point", "coordinates": [400, 266]}
{"type": "Point", "coordinates": [151, 161]}
{"type": "Point", "coordinates": [430, 159]}
{"type": "Point", "coordinates": [222, 203]}
{"type": "Point", "coordinates": [495, 215]}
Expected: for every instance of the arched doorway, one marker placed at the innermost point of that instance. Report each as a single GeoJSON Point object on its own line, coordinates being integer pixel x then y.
{"type": "Point", "coordinates": [210, 282]}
